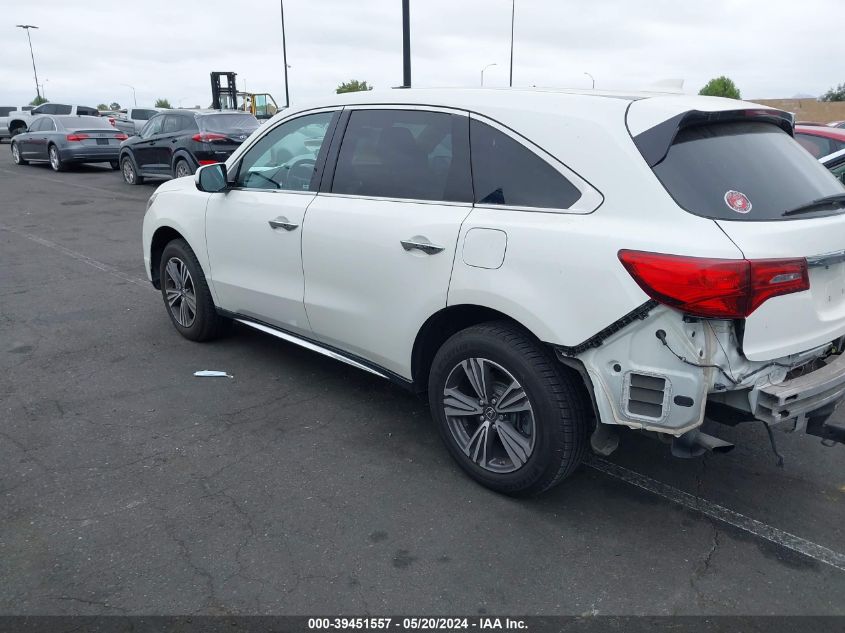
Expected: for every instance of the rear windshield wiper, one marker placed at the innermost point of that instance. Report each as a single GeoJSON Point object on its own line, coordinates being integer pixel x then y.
{"type": "Point", "coordinates": [837, 199]}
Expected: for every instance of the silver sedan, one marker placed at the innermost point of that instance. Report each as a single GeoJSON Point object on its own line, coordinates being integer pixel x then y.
{"type": "Point", "coordinates": [61, 140]}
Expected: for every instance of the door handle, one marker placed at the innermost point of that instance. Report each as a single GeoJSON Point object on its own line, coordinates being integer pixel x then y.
{"type": "Point", "coordinates": [426, 247]}
{"type": "Point", "coordinates": [282, 223]}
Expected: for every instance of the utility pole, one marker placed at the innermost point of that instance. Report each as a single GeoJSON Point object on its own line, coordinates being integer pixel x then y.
{"type": "Point", "coordinates": [285, 54]}
{"type": "Point", "coordinates": [513, 14]}
{"type": "Point", "coordinates": [593, 79]}
{"type": "Point", "coordinates": [482, 72]}
{"type": "Point", "coordinates": [26, 27]}
{"type": "Point", "coordinates": [406, 44]}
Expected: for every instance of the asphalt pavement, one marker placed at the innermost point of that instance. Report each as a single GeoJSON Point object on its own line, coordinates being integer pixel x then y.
{"type": "Point", "coordinates": [304, 486]}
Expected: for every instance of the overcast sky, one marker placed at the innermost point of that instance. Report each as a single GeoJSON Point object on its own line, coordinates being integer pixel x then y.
{"type": "Point", "coordinates": [85, 50]}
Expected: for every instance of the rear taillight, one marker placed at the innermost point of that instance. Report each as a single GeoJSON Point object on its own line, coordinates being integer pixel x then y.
{"type": "Point", "coordinates": [208, 137]}
{"type": "Point", "coordinates": [121, 137]}
{"type": "Point", "coordinates": [208, 162]}
{"type": "Point", "coordinates": [714, 288]}
{"type": "Point", "coordinates": [111, 120]}
{"type": "Point", "coordinates": [77, 137]}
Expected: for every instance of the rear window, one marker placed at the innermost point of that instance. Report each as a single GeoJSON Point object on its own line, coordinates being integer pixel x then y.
{"type": "Point", "coordinates": [84, 123]}
{"type": "Point", "coordinates": [4, 111]}
{"type": "Point", "coordinates": [748, 171]}
{"type": "Point", "coordinates": [242, 123]}
{"type": "Point", "coordinates": [143, 115]}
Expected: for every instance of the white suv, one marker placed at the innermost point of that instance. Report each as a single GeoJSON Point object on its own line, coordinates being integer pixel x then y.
{"type": "Point", "coordinates": [545, 265]}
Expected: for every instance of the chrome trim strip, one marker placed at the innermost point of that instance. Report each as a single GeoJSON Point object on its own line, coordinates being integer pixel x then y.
{"type": "Point", "coordinates": [828, 259]}
{"type": "Point", "coordinates": [352, 196]}
{"type": "Point", "coordinates": [290, 338]}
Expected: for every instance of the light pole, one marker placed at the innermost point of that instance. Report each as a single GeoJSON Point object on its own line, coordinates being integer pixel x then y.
{"type": "Point", "coordinates": [482, 72]}
{"type": "Point", "coordinates": [513, 15]}
{"type": "Point", "coordinates": [26, 27]}
{"type": "Point", "coordinates": [132, 88]}
{"type": "Point", "coordinates": [592, 78]}
{"type": "Point", "coordinates": [43, 89]}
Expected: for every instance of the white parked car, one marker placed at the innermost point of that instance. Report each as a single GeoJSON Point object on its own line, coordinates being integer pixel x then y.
{"type": "Point", "coordinates": [547, 266]}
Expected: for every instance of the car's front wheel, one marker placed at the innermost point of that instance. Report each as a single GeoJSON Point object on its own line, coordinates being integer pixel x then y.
{"type": "Point", "coordinates": [186, 295]}
{"type": "Point", "coordinates": [16, 155]}
{"type": "Point", "coordinates": [507, 412]}
{"type": "Point", "coordinates": [55, 159]}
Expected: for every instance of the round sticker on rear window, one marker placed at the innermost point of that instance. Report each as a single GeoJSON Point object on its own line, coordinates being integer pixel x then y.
{"type": "Point", "coordinates": [737, 201]}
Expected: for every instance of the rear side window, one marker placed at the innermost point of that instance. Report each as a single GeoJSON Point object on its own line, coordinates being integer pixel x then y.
{"type": "Point", "coordinates": [405, 154]}
{"type": "Point", "coordinates": [143, 115]}
{"type": "Point", "coordinates": [58, 108]}
{"type": "Point", "coordinates": [4, 111]}
{"type": "Point", "coordinates": [37, 124]}
{"type": "Point", "coordinates": [86, 111]}
{"type": "Point", "coordinates": [173, 123]}
{"type": "Point", "coordinates": [742, 171]}
{"type": "Point", "coordinates": [508, 173]}
{"type": "Point", "coordinates": [818, 146]}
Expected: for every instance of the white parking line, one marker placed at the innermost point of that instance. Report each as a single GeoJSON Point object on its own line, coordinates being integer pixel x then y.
{"type": "Point", "coordinates": [111, 270]}
{"type": "Point", "coordinates": [670, 493]}
{"type": "Point", "coordinates": [752, 526]}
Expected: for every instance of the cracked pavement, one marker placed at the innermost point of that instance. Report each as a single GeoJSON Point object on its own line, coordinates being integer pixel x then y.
{"type": "Point", "coordinates": [304, 486]}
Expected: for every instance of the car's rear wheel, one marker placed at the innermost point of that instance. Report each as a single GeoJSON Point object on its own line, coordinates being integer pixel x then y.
{"type": "Point", "coordinates": [115, 165]}
{"type": "Point", "coordinates": [507, 412]}
{"type": "Point", "coordinates": [55, 160]}
{"type": "Point", "coordinates": [16, 155]}
{"type": "Point", "coordinates": [130, 176]}
{"type": "Point", "coordinates": [182, 169]}
{"type": "Point", "coordinates": [186, 295]}
{"type": "Point", "coordinates": [18, 129]}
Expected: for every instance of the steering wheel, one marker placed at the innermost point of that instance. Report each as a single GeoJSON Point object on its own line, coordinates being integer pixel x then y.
{"type": "Point", "coordinates": [300, 173]}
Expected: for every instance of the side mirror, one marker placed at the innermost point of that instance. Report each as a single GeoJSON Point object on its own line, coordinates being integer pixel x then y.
{"type": "Point", "coordinates": [211, 178]}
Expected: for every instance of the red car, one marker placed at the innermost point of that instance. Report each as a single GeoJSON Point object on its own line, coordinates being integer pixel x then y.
{"type": "Point", "coordinates": [820, 140]}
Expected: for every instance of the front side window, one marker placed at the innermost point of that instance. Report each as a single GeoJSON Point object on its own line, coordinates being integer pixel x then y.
{"type": "Point", "coordinates": [508, 173]}
{"type": "Point", "coordinates": [409, 154]}
{"type": "Point", "coordinates": [5, 110]}
{"type": "Point", "coordinates": [286, 157]}
{"type": "Point", "coordinates": [152, 127]}
{"type": "Point", "coordinates": [142, 115]}
{"type": "Point", "coordinates": [743, 171]}
{"type": "Point", "coordinates": [58, 108]}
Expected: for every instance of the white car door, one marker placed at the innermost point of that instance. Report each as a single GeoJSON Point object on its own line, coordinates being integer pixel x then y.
{"type": "Point", "coordinates": [379, 241]}
{"type": "Point", "coordinates": [254, 229]}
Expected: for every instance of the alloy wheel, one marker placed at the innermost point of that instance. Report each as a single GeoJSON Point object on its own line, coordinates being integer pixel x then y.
{"type": "Point", "coordinates": [16, 155]}
{"type": "Point", "coordinates": [182, 169]}
{"type": "Point", "coordinates": [489, 415]}
{"type": "Point", "coordinates": [128, 172]}
{"type": "Point", "coordinates": [179, 292]}
{"type": "Point", "coordinates": [54, 158]}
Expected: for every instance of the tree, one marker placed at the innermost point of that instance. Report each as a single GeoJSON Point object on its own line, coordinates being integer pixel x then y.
{"type": "Point", "coordinates": [353, 85]}
{"type": "Point", "coordinates": [163, 103]}
{"type": "Point", "coordinates": [834, 94]}
{"type": "Point", "coordinates": [721, 87]}
{"type": "Point", "coordinates": [114, 106]}
{"type": "Point", "coordinates": [102, 106]}
{"type": "Point", "coordinates": [38, 101]}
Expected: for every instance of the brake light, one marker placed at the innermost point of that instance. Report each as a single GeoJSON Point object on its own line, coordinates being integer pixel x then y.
{"type": "Point", "coordinates": [208, 137]}
{"type": "Point", "coordinates": [77, 137]}
{"type": "Point", "coordinates": [111, 120]}
{"type": "Point", "coordinates": [714, 288]}
{"type": "Point", "coordinates": [121, 137]}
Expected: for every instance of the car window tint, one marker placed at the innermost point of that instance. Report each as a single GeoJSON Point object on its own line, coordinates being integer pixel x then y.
{"type": "Point", "coordinates": [506, 172]}
{"type": "Point", "coordinates": [82, 110]}
{"type": "Point", "coordinates": [142, 115]}
{"type": "Point", "coordinates": [47, 108]}
{"type": "Point", "coordinates": [4, 111]}
{"type": "Point", "coordinates": [26, 108]}
{"type": "Point", "coordinates": [47, 125]}
{"type": "Point", "coordinates": [61, 109]}
{"type": "Point", "coordinates": [152, 127]}
{"type": "Point", "coordinates": [172, 123]}
{"type": "Point", "coordinates": [286, 157]}
{"type": "Point", "coordinates": [818, 146]}
{"type": "Point", "coordinates": [405, 154]}
{"type": "Point", "coordinates": [35, 126]}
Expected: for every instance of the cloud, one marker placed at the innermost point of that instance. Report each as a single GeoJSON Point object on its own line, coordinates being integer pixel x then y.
{"type": "Point", "coordinates": [85, 51]}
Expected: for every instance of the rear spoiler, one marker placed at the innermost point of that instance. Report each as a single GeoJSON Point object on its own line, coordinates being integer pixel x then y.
{"type": "Point", "coordinates": [655, 142]}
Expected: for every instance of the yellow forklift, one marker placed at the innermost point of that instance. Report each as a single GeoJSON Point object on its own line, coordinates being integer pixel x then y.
{"type": "Point", "coordinates": [225, 96]}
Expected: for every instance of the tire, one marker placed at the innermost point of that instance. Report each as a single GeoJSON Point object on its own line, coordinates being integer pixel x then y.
{"type": "Point", "coordinates": [196, 320]}
{"type": "Point", "coordinates": [16, 155]}
{"type": "Point", "coordinates": [130, 175]}
{"type": "Point", "coordinates": [541, 433]}
{"type": "Point", "coordinates": [18, 129]}
{"type": "Point", "coordinates": [55, 159]}
{"type": "Point", "coordinates": [182, 168]}
{"type": "Point", "coordinates": [115, 165]}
